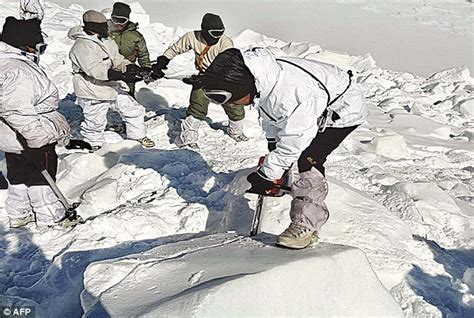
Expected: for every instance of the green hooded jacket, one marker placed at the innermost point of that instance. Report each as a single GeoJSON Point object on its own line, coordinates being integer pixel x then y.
{"type": "Point", "coordinates": [131, 44]}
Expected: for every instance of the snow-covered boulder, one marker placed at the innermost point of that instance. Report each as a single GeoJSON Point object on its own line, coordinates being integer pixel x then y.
{"type": "Point", "coordinates": [466, 107]}
{"type": "Point", "coordinates": [457, 74]}
{"type": "Point", "coordinates": [391, 146]}
{"type": "Point", "coordinates": [226, 275]}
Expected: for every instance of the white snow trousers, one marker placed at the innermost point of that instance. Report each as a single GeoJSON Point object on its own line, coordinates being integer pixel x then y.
{"type": "Point", "coordinates": [95, 117]}
{"type": "Point", "coordinates": [307, 207]}
{"type": "Point", "coordinates": [39, 199]}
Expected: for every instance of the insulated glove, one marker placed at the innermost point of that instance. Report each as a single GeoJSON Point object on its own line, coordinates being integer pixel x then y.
{"type": "Point", "coordinates": [160, 65]}
{"type": "Point", "coordinates": [271, 144]}
{"type": "Point", "coordinates": [194, 80]}
{"type": "Point", "coordinates": [131, 74]}
{"type": "Point", "coordinates": [114, 75]}
{"type": "Point", "coordinates": [78, 144]}
{"type": "Point", "coordinates": [147, 75]}
{"type": "Point", "coordinates": [260, 184]}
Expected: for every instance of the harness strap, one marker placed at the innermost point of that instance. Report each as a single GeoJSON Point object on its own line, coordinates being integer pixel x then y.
{"type": "Point", "coordinates": [200, 59]}
{"type": "Point", "coordinates": [328, 112]}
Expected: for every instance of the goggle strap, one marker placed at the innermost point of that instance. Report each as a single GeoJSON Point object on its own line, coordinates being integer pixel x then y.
{"type": "Point", "coordinates": [119, 19]}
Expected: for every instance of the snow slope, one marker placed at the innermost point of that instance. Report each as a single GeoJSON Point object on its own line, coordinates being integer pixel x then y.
{"type": "Point", "coordinates": [400, 191]}
{"type": "Point", "coordinates": [210, 280]}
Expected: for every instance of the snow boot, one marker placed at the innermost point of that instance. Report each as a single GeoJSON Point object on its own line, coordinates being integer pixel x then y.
{"type": "Point", "coordinates": [235, 130]}
{"type": "Point", "coordinates": [146, 142]}
{"type": "Point", "coordinates": [20, 222]}
{"type": "Point", "coordinates": [189, 133]}
{"type": "Point", "coordinates": [65, 224]}
{"type": "Point", "coordinates": [296, 237]}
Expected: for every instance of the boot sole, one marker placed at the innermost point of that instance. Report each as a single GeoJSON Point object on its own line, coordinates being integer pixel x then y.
{"type": "Point", "coordinates": [292, 245]}
{"type": "Point", "coordinates": [284, 244]}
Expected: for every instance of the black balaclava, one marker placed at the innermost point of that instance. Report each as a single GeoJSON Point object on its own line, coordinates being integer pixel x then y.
{"type": "Point", "coordinates": [95, 22]}
{"type": "Point", "coordinates": [229, 72]}
{"type": "Point", "coordinates": [211, 22]}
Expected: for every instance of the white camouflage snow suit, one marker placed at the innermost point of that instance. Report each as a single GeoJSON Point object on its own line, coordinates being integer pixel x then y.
{"type": "Point", "coordinates": [91, 59]}
{"type": "Point", "coordinates": [290, 103]}
{"type": "Point", "coordinates": [28, 104]}
{"type": "Point", "coordinates": [31, 9]}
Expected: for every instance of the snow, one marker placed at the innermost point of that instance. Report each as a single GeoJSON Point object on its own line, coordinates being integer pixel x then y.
{"type": "Point", "coordinates": [166, 227]}
{"type": "Point", "coordinates": [264, 285]}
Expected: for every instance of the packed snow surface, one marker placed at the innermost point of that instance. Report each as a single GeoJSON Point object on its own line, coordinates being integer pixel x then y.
{"type": "Point", "coordinates": [165, 227]}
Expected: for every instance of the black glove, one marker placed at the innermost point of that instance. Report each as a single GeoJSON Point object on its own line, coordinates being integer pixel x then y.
{"type": "Point", "coordinates": [272, 144]}
{"type": "Point", "coordinates": [133, 69]}
{"type": "Point", "coordinates": [260, 184]}
{"type": "Point", "coordinates": [146, 74]}
{"type": "Point", "coordinates": [78, 144]}
{"type": "Point", "coordinates": [160, 65]}
{"type": "Point", "coordinates": [194, 80]}
{"type": "Point", "coordinates": [131, 74]}
{"type": "Point", "coordinates": [114, 75]}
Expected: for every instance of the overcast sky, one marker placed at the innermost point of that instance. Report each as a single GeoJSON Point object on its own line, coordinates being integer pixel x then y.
{"type": "Point", "coordinates": [394, 43]}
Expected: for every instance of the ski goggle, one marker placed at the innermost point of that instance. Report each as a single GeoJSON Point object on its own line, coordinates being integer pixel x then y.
{"type": "Point", "coordinates": [41, 47]}
{"type": "Point", "coordinates": [118, 19]}
{"type": "Point", "coordinates": [217, 96]}
{"type": "Point", "coordinates": [216, 33]}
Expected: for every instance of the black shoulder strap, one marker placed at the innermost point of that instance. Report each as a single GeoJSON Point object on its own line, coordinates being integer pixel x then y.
{"type": "Point", "coordinates": [330, 102]}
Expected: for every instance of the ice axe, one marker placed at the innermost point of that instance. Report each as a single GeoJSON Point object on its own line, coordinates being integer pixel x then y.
{"type": "Point", "coordinates": [281, 188]}
{"type": "Point", "coordinates": [70, 212]}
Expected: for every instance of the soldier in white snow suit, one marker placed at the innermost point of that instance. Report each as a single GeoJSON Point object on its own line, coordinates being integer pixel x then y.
{"type": "Point", "coordinates": [98, 67]}
{"type": "Point", "coordinates": [30, 125]}
{"type": "Point", "coordinates": [31, 9]}
{"type": "Point", "coordinates": [206, 44]}
{"type": "Point", "coordinates": [307, 108]}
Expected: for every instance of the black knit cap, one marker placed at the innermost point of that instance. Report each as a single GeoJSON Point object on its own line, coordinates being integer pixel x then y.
{"type": "Point", "coordinates": [121, 10]}
{"type": "Point", "coordinates": [229, 72]}
{"type": "Point", "coordinates": [22, 33]}
{"type": "Point", "coordinates": [211, 22]}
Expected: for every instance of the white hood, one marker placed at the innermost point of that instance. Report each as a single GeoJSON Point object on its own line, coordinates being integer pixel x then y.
{"type": "Point", "coordinates": [264, 68]}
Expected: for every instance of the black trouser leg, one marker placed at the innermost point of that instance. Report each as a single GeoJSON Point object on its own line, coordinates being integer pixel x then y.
{"type": "Point", "coordinates": [320, 148]}
{"type": "Point", "coordinates": [23, 170]}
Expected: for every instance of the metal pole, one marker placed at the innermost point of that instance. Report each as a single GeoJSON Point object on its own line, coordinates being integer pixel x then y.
{"type": "Point", "coordinates": [255, 228]}
{"type": "Point", "coordinates": [56, 190]}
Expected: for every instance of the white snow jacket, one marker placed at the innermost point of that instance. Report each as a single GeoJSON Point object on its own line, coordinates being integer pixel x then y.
{"type": "Point", "coordinates": [31, 9]}
{"type": "Point", "coordinates": [91, 60]}
{"type": "Point", "coordinates": [291, 102]}
{"type": "Point", "coordinates": [28, 102]}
